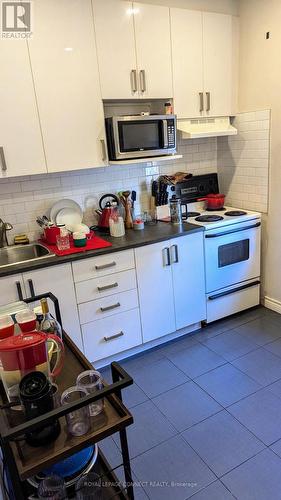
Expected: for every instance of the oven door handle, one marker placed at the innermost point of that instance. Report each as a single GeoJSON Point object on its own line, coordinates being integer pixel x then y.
{"type": "Point", "coordinates": [233, 290]}
{"type": "Point", "coordinates": [238, 230]}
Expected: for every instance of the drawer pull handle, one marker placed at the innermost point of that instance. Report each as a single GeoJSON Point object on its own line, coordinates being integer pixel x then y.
{"type": "Point", "coordinates": [108, 308]}
{"type": "Point", "coordinates": [116, 336]}
{"type": "Point", "coordinates": [107, 287]}
{"type": "Point", "coordinates": [105, 266]}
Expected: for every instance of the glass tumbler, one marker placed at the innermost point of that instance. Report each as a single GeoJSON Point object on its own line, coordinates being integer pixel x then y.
{"type": "Point", "coordinates": [53, 488]}
{"type": "Point", "coordinates": [63, 241]}
{"type": "Point", "coordinates": [91, 381]}
{"type": "Point", "coordinates": [89, 487]}
{"type": "Point", "coordinates": [78, 421]}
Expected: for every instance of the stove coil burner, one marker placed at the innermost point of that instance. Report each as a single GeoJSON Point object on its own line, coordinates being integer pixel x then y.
{"type": "Point", "coordinates": [235, 213]}
{"type": "Point", "coordinates": [191, 214]}
{"type": "Point", "coordinates": [209, 218]}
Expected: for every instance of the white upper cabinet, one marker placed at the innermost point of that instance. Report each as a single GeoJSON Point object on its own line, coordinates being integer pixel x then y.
{"type": "Point", "coordinates": [65, 69]}
{"type": "Point", "coordinates": [153, 45]}
{"type": "Point", "coordinates": [187, 58]}
{"type": "Point", "coordinates": [21, 147]}
{"type": "Point", "coordinates": [114, 26]}
{"type": "Point", "coordinates": [218, 63]}
{"type": "Point", "coordinates": [134, 49]}
{"type": "Point", "coordinates": [204, 63]}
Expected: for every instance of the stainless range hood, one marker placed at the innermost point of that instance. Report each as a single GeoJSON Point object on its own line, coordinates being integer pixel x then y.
{"type": "Point", "coordinates": [195, 128]}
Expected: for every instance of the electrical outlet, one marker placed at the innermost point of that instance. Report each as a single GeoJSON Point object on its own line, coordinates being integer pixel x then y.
{"type": "Point", "coordinates": [152, 171]}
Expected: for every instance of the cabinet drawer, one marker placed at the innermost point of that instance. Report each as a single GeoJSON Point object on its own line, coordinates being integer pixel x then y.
{"type": "Point", "coordinates": [109, 336]}
{"type": "Point", "coordinates": [108, 306]}
{"type": "Point", "coordinates": [103, 265]}
{"type": "Point", "coordinates": [105, 286]}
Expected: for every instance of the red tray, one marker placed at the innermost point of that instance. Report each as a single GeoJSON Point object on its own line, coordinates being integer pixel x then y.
{"type": "Point", "coordinates": [92, 244]}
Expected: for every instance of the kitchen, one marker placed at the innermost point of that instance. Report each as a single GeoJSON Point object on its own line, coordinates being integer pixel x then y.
{"type": "Point", "coordinates": [185, 319]}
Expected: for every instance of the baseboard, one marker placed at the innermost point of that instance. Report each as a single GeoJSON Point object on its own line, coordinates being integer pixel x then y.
{"type": "Point", "coordinates": [274, 305]}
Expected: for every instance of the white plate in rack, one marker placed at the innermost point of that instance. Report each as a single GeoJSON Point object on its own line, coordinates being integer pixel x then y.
{"type": "Point", "coordinates": [62, 204]}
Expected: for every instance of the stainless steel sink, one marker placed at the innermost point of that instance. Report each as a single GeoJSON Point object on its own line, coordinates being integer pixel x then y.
{"type": "Point", "coordinates": [19, 254]}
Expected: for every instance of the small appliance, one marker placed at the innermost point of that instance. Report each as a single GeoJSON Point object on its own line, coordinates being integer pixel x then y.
{"type": "Point", "coordinates": [140, 136]}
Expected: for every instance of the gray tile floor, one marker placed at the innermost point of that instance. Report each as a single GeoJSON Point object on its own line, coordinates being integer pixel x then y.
{"type": "Point", "coordinates": [207, 413]}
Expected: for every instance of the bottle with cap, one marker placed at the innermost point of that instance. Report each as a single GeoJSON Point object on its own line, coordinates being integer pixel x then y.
{"type": "Point", "coordinates": [49, 324]}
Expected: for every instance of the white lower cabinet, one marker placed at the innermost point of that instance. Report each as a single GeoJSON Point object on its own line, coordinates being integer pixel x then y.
{"type": "Point", "coordinates": [55, 279]}
{"type": "Point", "coordinates": [10, 289]}
{"type": "Point", "coordinates": [108, 336]}
{"type": "Point", "coordinates": [59, 281]}
{"type": "Point", "coordinates": [156, 296]}
{"type": "Point", "coordinates": [188, 279]}
{"type": "Point", "coordinates": [171, 285]}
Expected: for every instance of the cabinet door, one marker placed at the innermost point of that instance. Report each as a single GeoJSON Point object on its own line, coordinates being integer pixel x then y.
{"type": "Point", "coordinates": [187, 258]}
{"type": "Point", "coordinates": [58, 280]}
{"type": "Point", "coordinates": [114, 27]}
{"type": "Point", "coordinates": [9, 289]}
{"type": "Point", "coordinates": [64, 63]}
{"type": "Point", "coordinates": [20, 136]}
{"type": "Point", "coordinates": [187, 61]}
{"type": "Point", "coordinates": [155, 285]}
{"type": "Point", "coordinates": [153, 44]}
{"type": "Point", "coordinates": [218, 61]}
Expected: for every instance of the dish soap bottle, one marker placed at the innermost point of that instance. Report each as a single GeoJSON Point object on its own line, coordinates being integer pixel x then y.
{"type": "Point", "coordinates": [49, 324]}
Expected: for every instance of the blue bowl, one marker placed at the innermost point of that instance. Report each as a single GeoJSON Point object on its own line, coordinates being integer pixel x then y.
{"type": "Point", "coordinates": [71, 465]}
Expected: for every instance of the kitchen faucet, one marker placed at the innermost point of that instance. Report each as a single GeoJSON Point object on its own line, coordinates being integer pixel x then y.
{"type": "Point", "coordinates": [4, 227]}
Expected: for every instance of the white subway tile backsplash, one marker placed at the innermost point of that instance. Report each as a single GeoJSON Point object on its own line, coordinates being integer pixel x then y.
{"type": "Point", "coordinates": [243, 161]}
{"type": "Point", "coordinates": [22, 200]}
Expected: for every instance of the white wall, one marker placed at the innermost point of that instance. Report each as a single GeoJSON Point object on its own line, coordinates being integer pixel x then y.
{"type": "Point", "coordinates": [259, 88]}
{"type": "Point", "coordinates": [222, 6]}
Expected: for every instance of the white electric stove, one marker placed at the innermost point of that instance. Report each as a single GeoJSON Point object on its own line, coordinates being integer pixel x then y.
{"type": "Point", "coordinates": [232, 239]}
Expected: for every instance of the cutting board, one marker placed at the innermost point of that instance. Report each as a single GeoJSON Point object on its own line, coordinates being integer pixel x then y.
{"type": "Point", "coordinates": [92, 244]}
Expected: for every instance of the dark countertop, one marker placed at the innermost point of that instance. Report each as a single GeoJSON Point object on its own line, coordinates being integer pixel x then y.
{"type": "Point", "coordinates": [151, 234]}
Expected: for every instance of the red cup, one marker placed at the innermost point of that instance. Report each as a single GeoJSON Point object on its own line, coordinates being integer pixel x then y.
{"type": "Point", "coordinates": [26, 320]}
{"type": "Point", "coordinates": [51, 234]}
{"type": "Point", "coordinates": [7, 327]}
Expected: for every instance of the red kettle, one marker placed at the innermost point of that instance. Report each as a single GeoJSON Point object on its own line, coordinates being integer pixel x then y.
{"type": "Point", "coordinates": [107, 204]}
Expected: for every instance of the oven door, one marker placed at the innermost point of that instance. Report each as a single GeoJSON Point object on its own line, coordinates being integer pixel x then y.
{"type": "Point", "coordinates": [232, 254]}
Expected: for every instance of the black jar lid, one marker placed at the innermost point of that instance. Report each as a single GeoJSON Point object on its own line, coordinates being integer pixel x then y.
{"type": "Point", "coordinates": [34, 385]}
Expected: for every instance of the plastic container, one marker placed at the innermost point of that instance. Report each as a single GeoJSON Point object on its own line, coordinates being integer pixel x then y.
{"type": "Point", "coordinates": [78, 421]}
{"type": "Point", "coordinates": [116, 227]}
{"type": "Point", "coordinates": [26, 320]}
{"type": "Point", "coordinates": [91, 381]}
{"type": "Point", "coordinates": [7, 327]}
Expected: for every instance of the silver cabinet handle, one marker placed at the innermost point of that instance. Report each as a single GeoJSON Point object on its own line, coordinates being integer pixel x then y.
{"type": "Point", "coordinates": [166, 257]}
{"type": "Point", "coordinates": [142, 80]}
{"type": "Point", "coordinates": [2, 159]}
{"type": "Point", "coordinates": [108, 308]}
{"type": "Point", "coordinates": [201, 98]}
{"type": "Point", "coordinates": [105, 266]}
{"type": "Point", "coordinates": [103, 150]}
{"type": "Point", "coordinates": [175, 254]}
{"type": "Point", "coordinates": [116, 336]}
{"type": "Point", "coordinates": [134, 85]}
{"type": "Point", "coordinates": [107, 287]}
{"type": "Point", "coordinates": [208, 97]}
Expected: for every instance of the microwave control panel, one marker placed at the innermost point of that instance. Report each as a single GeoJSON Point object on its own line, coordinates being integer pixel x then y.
{"type": "Point", "coordinates": [171, 133]}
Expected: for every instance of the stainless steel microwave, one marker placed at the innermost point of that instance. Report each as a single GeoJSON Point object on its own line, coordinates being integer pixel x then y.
{"type": "Point", "coordinates": [131, 137]}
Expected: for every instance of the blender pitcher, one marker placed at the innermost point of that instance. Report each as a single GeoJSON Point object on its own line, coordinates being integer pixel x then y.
{"type": "Point", "coordinates": [26, 353]}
